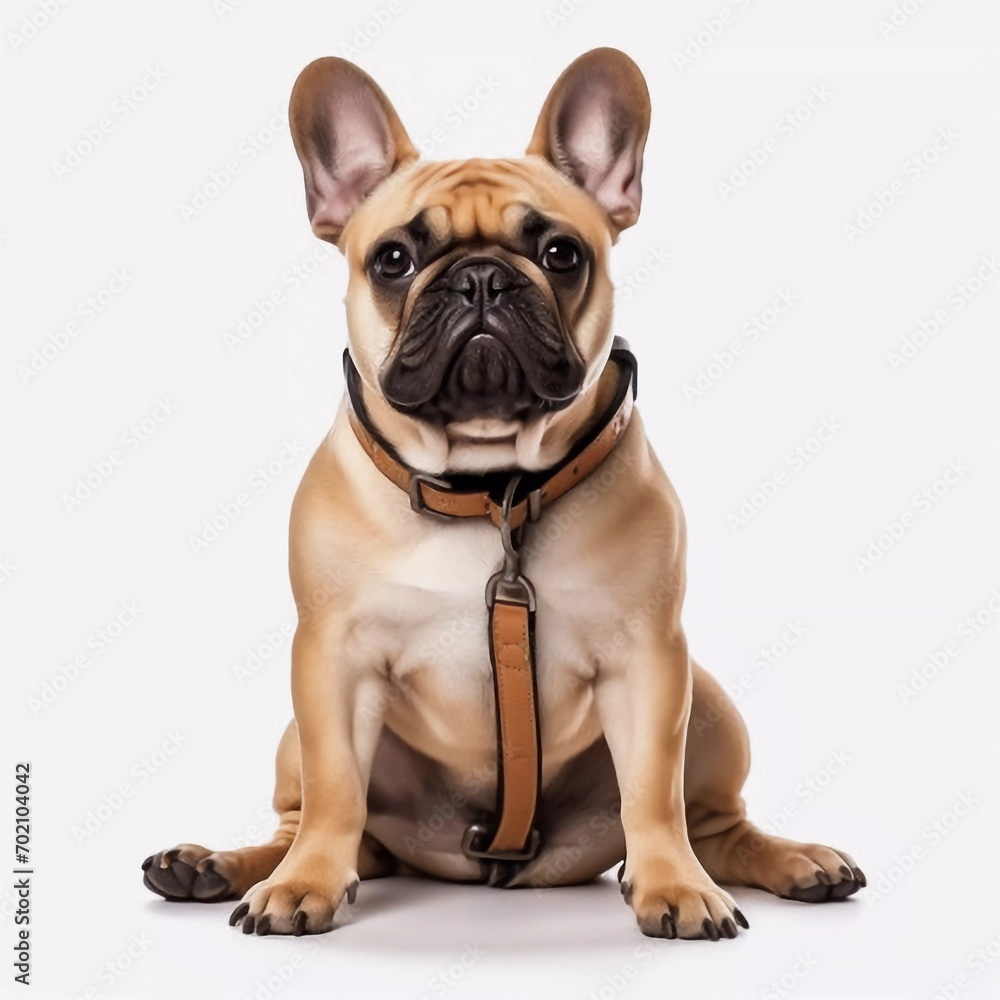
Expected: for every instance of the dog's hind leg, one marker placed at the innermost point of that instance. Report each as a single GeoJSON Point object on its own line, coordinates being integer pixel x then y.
{"type": "Point", "coordinates": [192, 872]}
{"type": "Point", "coordinates": [731, 849]}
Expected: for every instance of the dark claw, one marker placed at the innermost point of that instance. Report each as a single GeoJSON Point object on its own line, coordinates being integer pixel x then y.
{"type": "Point", "coordinates": [238, 914]}
{"type": "Point", "coordinates": [844, 889]}
{"type": "Point", "coordinates": [171, 882]}
{"type": "Point", "coordinates": [821, 876]}
{"type": "Point", "coordinates": [147, 863]}
{"type": "Point", "coordinates": [711, 931]}
{"type": "Point", "coordinates": [729, 928]}
{"type": "Point", "coordinates": [809, 894]}
{"type": "Point", "coordinates": [621, 872]}
{"type": "Point", "coordinates": [248, 925]}
{"type": "Point", "coordinates": [299, 923]}
{"type": "Point", "coordinates": [352, 891]}
{"type": "Point", "coordinates": [170, 856]}
{"type": "Point", "coordinates": [209, 884]}
{"type": "Point", "coordinates": [627, 892]}
{"type": "Point", "coordinates": [740, 919]}
{"type": "Point", "coordinates": [668, 926]}
{"type": "Point", "coordinates": [264, 926]}
{"type": "Point", "coordinates": [859, 877]}
{"type": "Point", "coordinates": [847, 873]}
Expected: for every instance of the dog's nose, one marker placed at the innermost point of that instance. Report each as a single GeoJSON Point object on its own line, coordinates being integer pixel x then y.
{"type": "Point", "coordinates": [481, 280]}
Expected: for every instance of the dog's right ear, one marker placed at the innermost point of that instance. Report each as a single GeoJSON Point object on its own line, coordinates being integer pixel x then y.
{"type": "Point", "coordinates": [348, 138]}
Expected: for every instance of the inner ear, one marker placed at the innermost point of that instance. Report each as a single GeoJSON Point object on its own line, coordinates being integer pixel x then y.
{"type": "Point", "coordinates": [593, 129]}
{"type": "Point", "coordinates": [348, 138]}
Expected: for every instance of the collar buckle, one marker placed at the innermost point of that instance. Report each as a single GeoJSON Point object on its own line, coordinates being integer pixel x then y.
{"type": "Point", "coordinates": [415, 490]}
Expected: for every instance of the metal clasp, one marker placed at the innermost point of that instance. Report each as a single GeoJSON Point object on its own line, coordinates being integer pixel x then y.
{"type": "Point", "coordinates": [509, 583]}
{"type": "Point", "coordinates": [476, 842]}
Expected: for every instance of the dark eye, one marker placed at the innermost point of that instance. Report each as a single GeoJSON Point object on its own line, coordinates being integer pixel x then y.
{"type": "Point", "coordinates": [561, 256]}
{"type": "Point", "coordinates": [393, 261]}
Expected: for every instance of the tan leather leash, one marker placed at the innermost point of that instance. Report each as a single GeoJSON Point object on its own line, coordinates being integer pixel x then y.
{"type": "Point", "coordinates": [510, 597]}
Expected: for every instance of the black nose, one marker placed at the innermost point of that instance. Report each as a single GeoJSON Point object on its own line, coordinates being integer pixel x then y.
{"type": "Point", "coordinates": [481, 280]}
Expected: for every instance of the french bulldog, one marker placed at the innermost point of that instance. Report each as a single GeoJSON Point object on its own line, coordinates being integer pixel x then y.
{"type": "Point", "coordinates": [479, 317]}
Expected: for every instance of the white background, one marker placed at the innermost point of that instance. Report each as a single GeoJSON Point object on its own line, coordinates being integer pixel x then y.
{"type": "Point", "coordinates": [834, 694]}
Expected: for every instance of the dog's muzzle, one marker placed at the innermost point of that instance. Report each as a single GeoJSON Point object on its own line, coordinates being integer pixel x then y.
{"type": "Point", "coordinates": [482, 340]}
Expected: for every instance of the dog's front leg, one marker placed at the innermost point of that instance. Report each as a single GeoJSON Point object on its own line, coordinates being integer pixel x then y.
{"type": "Point", "coordinates": [339, 714]}
{"type": "Point", "coordinates": [644, 701]}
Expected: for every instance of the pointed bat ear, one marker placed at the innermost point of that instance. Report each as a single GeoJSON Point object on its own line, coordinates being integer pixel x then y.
{"type": "Point", "coordinates": [348, 138]}
{"type": "Point", "coordinates": [593, 129]}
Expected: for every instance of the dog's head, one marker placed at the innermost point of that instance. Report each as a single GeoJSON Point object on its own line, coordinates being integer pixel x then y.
{"type": "Point", "coordinates": [479, 302]}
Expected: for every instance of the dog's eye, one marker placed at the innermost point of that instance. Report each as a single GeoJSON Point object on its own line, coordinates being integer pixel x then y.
{"type": "Point", "coordinates": [393, 261]}
{"type": "Point", "coordinates": [561, 256]}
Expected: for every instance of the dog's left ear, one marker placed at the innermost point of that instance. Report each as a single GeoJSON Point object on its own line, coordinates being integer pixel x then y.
{"type": "Point", "coordinates": [593, 129]}
{"type": "Point", "coordinates": [348, 138]}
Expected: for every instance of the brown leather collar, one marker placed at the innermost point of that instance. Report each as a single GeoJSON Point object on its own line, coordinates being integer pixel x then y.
{"type": "Point", "coordinates": [510, 499]}
{"type": "Point", "coordinates": [481, 496]}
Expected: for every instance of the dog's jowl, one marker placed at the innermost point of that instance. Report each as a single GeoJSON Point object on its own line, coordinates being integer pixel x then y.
{"type": "Point", "coordinates": [490, 678]}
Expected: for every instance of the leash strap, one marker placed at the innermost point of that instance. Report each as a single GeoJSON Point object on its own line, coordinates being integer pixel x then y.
{"type": "Point", "coordinates": [510, 597]}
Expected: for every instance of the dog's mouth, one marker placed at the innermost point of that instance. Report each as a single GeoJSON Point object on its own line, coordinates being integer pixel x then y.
{"type": "Point", "coordinates": [482, 341]}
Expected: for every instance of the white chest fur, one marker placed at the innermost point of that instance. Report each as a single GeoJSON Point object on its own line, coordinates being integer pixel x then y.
{"type": "Point", "coordinates": [426, 617]}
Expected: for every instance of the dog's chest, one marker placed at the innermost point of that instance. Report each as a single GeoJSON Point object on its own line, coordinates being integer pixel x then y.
{"type": "Point", "coordinates": [427, 614]}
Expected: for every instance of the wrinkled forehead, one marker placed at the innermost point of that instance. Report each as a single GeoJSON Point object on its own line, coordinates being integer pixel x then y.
{"type": "Point", "coordinates": [501, 201]}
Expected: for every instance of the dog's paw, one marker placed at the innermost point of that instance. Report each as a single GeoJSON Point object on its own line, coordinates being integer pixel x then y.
{"type": "Point", "coordinates": [188, 871]}
{"type": "Point", "coordinates": [673, 901]}
{"type": "Point", "coordinates": [812, 873]}
{"type": "Point", "coordinates": [293, 903]}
